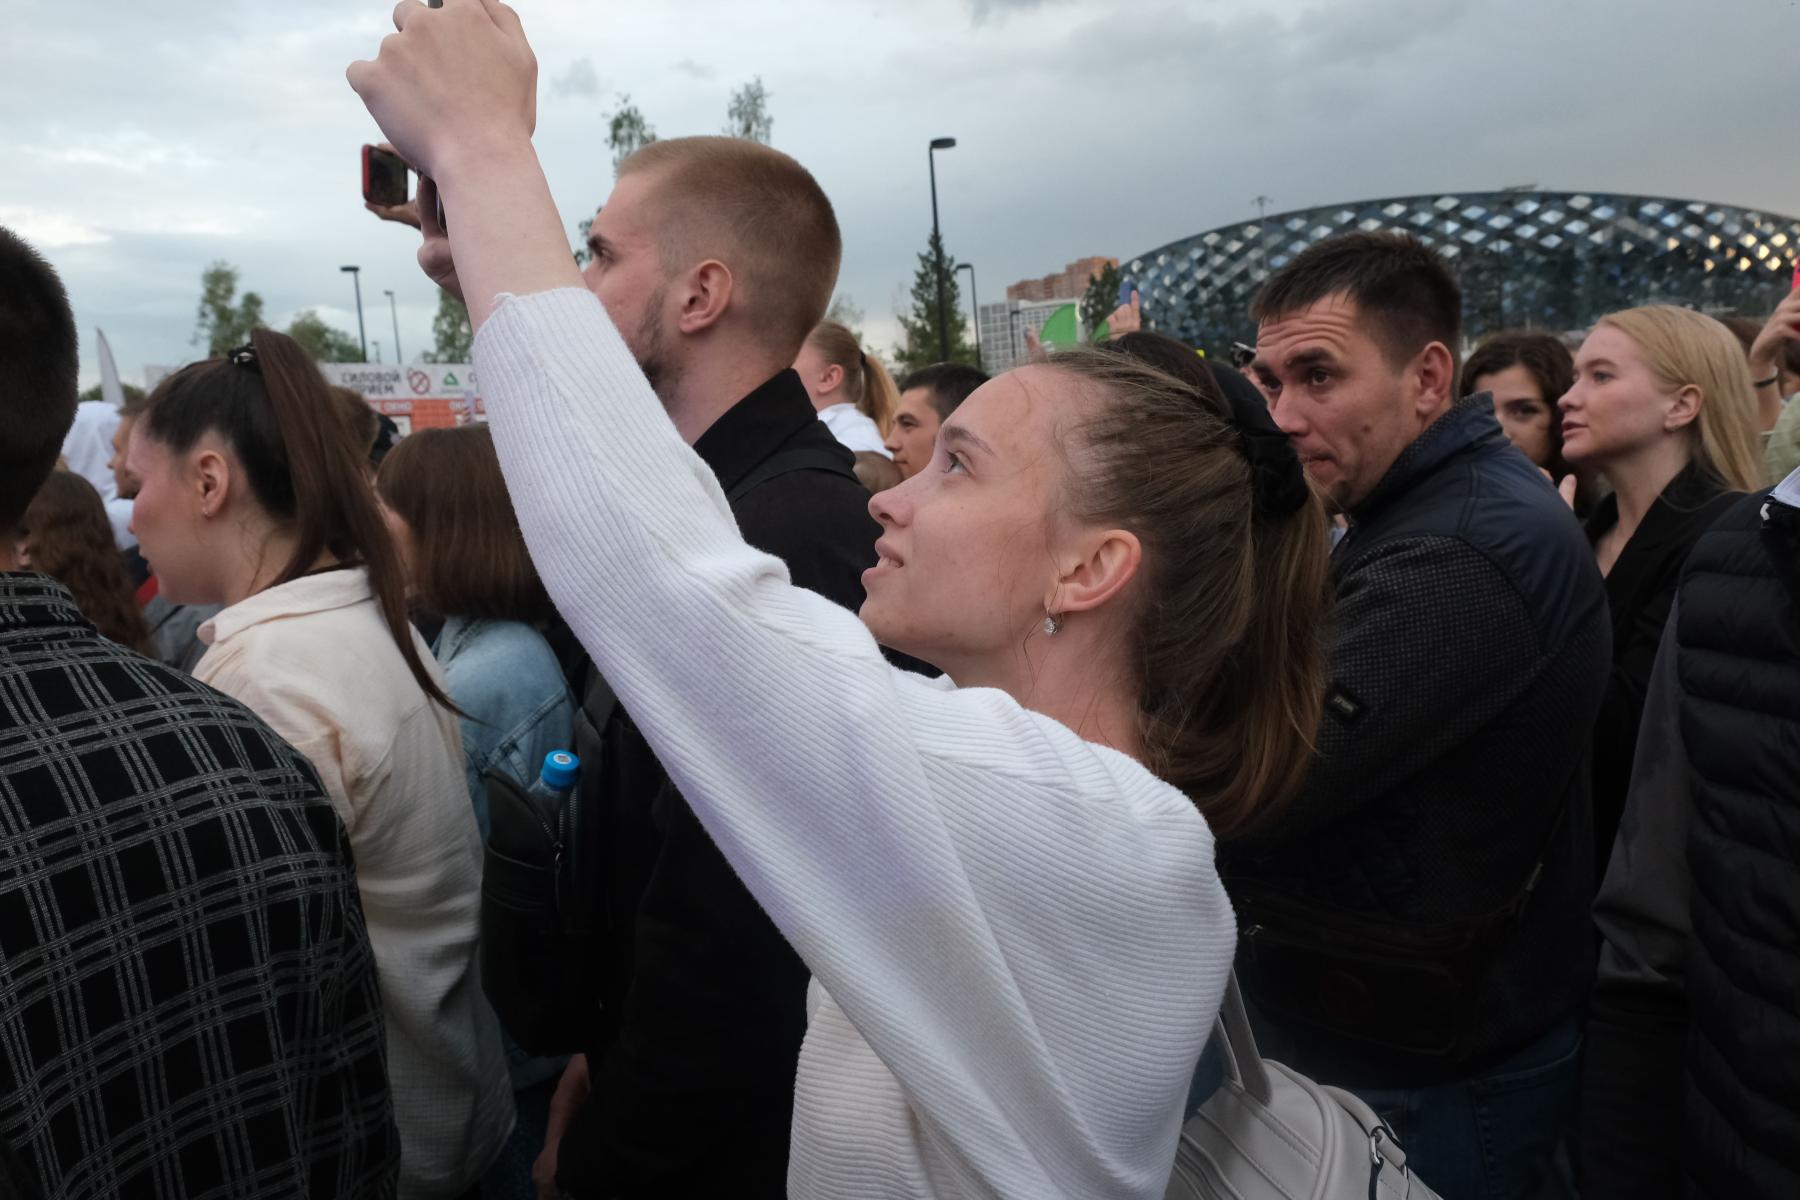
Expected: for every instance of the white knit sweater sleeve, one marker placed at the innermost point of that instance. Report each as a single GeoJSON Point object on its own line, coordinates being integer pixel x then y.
{"type": "Point", "coordinates": [1025, 928]}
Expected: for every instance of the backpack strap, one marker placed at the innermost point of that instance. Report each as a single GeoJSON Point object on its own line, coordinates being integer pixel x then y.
{"type": "Point", "coordinates": [786, 462]}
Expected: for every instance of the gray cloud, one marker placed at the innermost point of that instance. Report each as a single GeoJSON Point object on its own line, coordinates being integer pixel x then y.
{"type": "Point", "coordinates": [145, 144]}
{"type": "Point", "coordinates": [579, 80]}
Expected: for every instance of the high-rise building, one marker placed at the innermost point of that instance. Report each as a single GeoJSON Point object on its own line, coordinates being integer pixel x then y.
{"type": "Point", "coordinates": [1071, 283]}
{"type": "Point", "coordinates": [1002, 329]}
{"type": "Point", "coordinates": [1029, 304]}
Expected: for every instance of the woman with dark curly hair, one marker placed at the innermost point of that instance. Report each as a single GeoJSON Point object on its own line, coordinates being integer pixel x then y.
{"type": "Point", "coordinates": [69, 538]}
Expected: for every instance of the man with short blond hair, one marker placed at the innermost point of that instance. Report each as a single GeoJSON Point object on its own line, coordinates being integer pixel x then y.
{"type": "Point", "coordinates": [714, 257]}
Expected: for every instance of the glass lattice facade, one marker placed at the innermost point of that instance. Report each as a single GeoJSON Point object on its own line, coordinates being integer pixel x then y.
{"type": "Point", "coordinates": [1555, 261]}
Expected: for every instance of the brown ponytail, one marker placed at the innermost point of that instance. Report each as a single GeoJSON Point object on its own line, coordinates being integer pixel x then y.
{"type": "Point", "coordinates": [275, 410]}
{"type": "Point", "coordinates": [866, 381]}
{"type": "Point", "coordinates": [1229, 632]}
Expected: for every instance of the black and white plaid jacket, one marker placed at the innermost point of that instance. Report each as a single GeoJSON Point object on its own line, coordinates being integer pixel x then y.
{"type": "Point", "coordinates": [188, 1005]}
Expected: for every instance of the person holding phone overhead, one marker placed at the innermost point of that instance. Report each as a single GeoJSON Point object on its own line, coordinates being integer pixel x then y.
{"type": "Point", "coordinates": [1006, 895]}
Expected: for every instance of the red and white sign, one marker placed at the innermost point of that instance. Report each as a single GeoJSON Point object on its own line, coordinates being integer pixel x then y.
{"type": "Point", "coordinates": [421, 396]}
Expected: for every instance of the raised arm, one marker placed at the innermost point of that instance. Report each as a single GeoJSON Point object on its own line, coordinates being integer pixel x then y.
{"type": "Point", "coordinates": [965, 878]}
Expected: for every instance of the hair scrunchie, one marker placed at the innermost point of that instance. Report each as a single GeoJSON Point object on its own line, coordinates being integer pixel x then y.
{"type": "Point", "coordinates": [1277, 478]}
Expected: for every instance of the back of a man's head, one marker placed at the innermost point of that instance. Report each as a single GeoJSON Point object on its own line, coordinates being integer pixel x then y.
{"type": "Point", "coordinates": [757, 211]}
{"type": "Point", "coordinates": [1405, 296]}
{"type": "Point", "coordinates": [39, 366]}
{"type": "Point", "coordinates": [949, 384]}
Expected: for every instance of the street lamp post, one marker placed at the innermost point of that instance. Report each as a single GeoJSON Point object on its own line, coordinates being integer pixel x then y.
{"type": "Point", "coordinates": [394, 308]}
{"type": "Point", "coordinates": [361, 336]}
{"type": "Point", "coordinates": [377, 349]}
{"type": "Point", "coordinates": [974, 307]}
{"type": "Point", "coordinates": [937, 240]}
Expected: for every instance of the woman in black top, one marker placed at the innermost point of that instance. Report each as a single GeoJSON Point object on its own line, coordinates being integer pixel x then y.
{"type": "Point", "coordinates": [1663, 406]}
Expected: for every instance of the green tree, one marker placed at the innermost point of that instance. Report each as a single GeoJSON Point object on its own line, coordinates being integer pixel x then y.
{"type": "Point", "coordinates": [748, 116]}
{"type": "Point", "coordinates": [919, 328]}
{"type": "Point", "coordinates": [1101, 298]}
{"type": "Point", "coordinates": [454, 338]}
{"type": "Point", "coordinates": [626, 130]}
{"type": "Point", "coordinates": [132, 392]}
{"type": "Point", "coordinates": [224, 319]}
{"type": "Point", "coordinates": [325, 343]}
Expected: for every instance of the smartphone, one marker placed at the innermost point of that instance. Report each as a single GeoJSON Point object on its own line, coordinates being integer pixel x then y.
{"type": "Point", "coordinates": [1127, 286]}
{"type": "Point", "coordinates": [384, 176]}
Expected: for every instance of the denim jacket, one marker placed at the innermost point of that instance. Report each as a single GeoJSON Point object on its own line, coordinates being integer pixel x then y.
{"type": "Point", "coordinates": [504, 675]}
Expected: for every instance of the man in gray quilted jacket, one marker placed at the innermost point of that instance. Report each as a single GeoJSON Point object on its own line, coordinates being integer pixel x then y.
{"type": "Point", "coordinates": [1415, 926]}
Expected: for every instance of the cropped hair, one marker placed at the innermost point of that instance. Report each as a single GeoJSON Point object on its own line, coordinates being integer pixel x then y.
{"type": "Point", "coordinates": [1401, 287]}
{"type": "Point", "coordinates": [757, 211]}
{"type": "Point", "coordinates": [949, 384]}
{"type": "Point", "coordinates": [39, 373]}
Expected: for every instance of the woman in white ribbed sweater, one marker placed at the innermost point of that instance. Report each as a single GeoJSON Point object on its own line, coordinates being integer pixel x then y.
{"type": "Point", "coordinates": [1003, 886]}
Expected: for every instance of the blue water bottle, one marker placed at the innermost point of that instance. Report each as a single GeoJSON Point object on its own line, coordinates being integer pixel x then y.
{"type": "Point", "coordinates": [554, 782]}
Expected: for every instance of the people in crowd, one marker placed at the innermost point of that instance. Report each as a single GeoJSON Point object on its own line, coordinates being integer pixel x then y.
{"type": "Point", "coordinates": [188, 1000]}
{"type": "Point", "coordinates": [1774, 358]}
{"type": "Point", "coordinates": [447, 507]}
{"type": "Point", "coordinates": [1416, 925]}
{"type": "Point", "coordinates": [1688, 1084]}
{"type": "Point", "coordinates": [851, 391]}
{"type": "Point", "coordinates": [854, 396]}
{"type": "Point", "coordinates": [702, 1000]}
{"type": "Point", "coordinates": [87, 451]}
{"type": "Point", "coordinates": [174, 628]}
{"type": "Point", "coordinates": [252, 495]}
{"type": "Point", "coordinates": [1662, 405]}
{"type": "Point", "coordinates": [1003, 891]}
{"type": "Point", "coordinates": [1526, 374]}
{"type": "Point", "coordinates": [927, 398]}
{"type": "Point", "coordinates": [66, 536]}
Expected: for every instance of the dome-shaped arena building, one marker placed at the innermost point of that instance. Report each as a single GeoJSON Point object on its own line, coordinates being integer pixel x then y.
{"type": "Point", "coordinates": [1554, 261]}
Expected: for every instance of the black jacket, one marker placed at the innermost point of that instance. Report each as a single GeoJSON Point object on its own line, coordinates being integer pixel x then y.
{"type": "Point", "coordinates": [702, 1013]}
{"type": "Point", "coordinates": [1639, 590]}
{"type": "Point", "coordinates": [1468, 661]}
{"type": "Point", "coordinates": [1691, 1081]}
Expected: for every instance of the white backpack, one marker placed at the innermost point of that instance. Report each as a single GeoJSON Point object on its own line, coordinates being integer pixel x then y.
{"type": "Point", "coordinates": [1270, 1133]}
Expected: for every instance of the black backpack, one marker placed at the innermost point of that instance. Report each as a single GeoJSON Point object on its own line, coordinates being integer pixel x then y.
{"type": "Point", "coordinates": [540, 892]}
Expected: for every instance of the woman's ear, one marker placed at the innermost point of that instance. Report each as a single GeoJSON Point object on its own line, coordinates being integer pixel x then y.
{"type": "Point", "coordinates": [1685, 409]}
{"type": "Point", "coordinates": [211, 482]}
{"type": "Point", "coordinates": [1108, 561]}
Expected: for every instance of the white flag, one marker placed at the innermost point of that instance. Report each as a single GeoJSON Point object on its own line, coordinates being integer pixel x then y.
{"type": "Point", "coordinates": [110, 391]}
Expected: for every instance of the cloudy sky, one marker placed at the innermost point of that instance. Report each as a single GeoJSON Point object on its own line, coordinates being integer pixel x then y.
{"type": "Point", "coordinates": [141, 141]}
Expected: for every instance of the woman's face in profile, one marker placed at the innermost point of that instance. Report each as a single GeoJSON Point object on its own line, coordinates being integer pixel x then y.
{"type": "Point", "coordinates": [967, 557]}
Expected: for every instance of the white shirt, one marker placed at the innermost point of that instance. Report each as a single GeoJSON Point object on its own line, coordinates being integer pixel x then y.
{"type": "Point", "coordinates": [849, 425]}
{"type": "Point", "coordinates": [1019, 938]}
{"type": "Point", "coordinates": [315, 660]}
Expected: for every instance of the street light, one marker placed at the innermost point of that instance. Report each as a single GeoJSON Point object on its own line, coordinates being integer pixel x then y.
{"type": "Point", "coordinates": [356, 275]}
{"type": "Point", "coordinates": [974, 307]}
{"type": "Point", "coordinates": [942, 143]}
{"type": "Point", "coordinates": [394, 308]}
{"type": "Point", "coordinates": [377, 349]}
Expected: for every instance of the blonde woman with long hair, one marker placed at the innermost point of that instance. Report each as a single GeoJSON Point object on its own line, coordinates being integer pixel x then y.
{"type": "Point", "coordinates": [1663, 406]}
{"type": "Point", "coordinates": [852, 391]}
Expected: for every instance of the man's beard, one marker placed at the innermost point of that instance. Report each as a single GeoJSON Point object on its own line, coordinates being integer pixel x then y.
{"type": "Point", "coordinates": [650, 348]}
